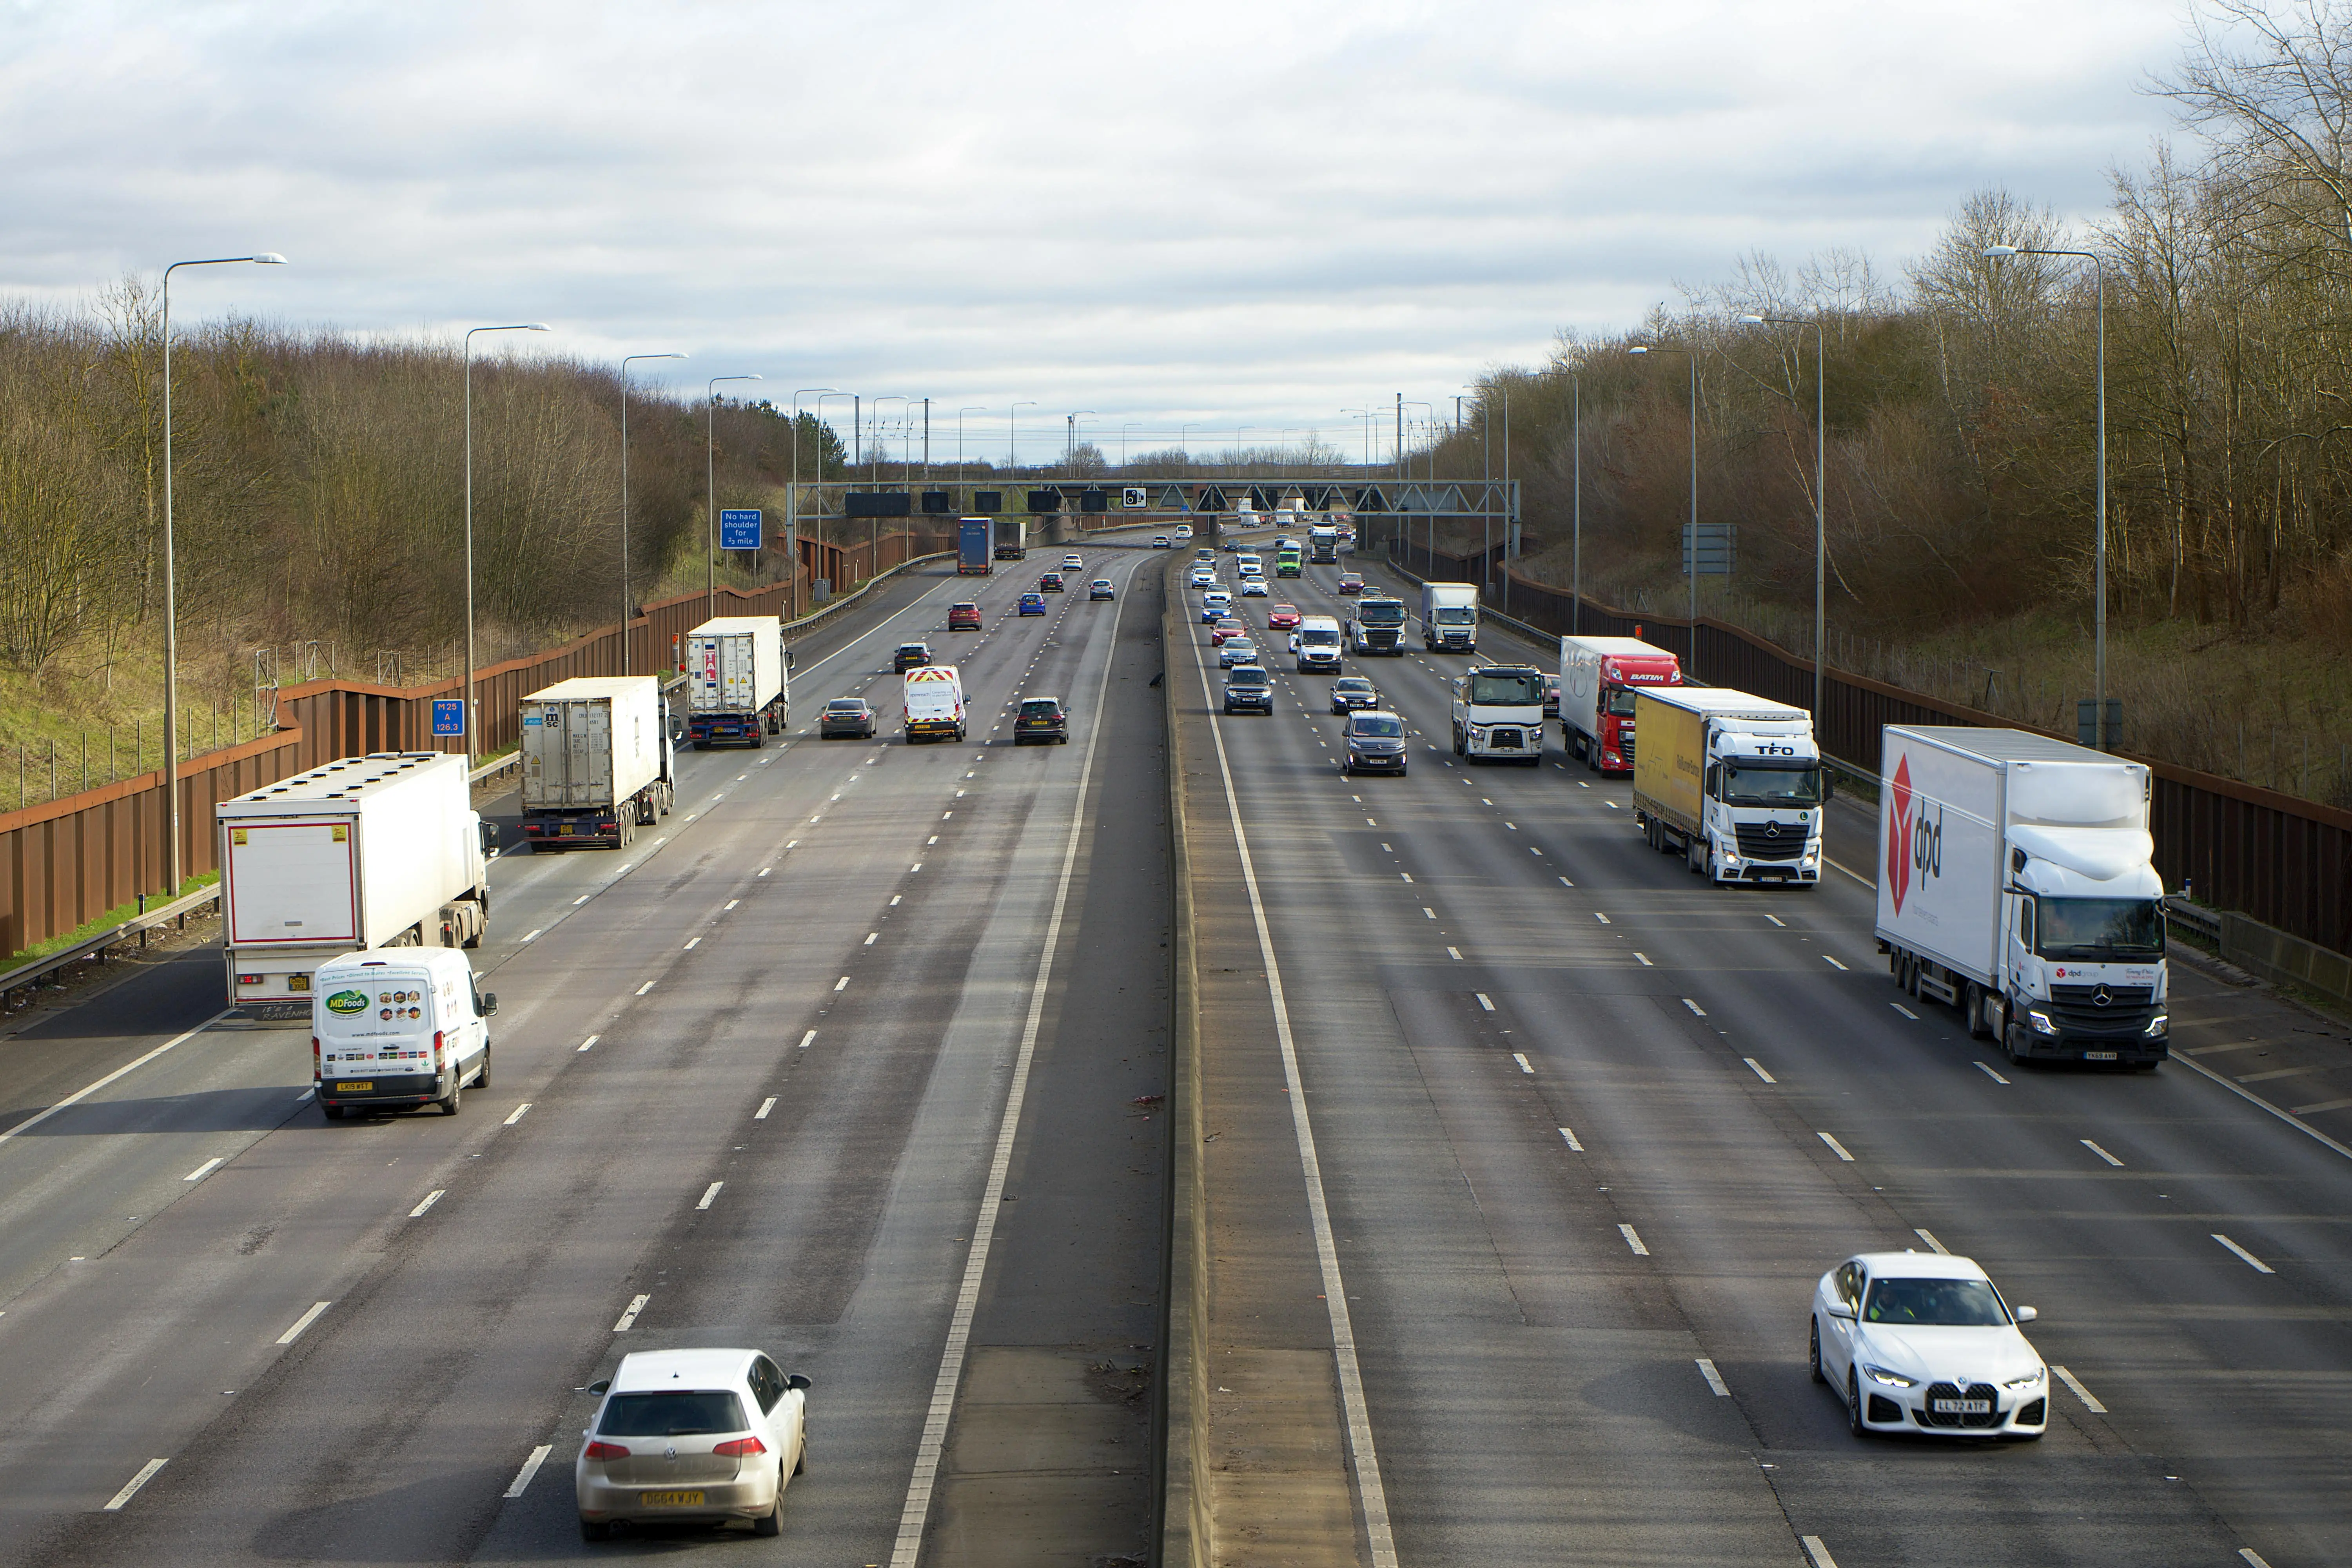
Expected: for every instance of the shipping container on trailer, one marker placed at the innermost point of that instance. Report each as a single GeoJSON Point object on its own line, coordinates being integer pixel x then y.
{"type": "Point", "coordinates": [975, 553]}
{"type": "Point", "coordinates": [597, 762]}
{"type": "Point", "coordinates": [738, 684]}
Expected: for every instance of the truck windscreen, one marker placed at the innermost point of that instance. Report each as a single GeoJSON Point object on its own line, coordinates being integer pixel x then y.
{"type": "Point", "coordinates": [1455, 615]}
{"type": "Point", "coordinates": [1617, 701]}
{"type": "Point", "coordinates": [1506, 689]}
{"type": "Point", "coordinates": [1381, 611]}
{"type": "Point", "coordinates": [2095, 929]}
{"type": "Point", "coordinates": [1763, 784]}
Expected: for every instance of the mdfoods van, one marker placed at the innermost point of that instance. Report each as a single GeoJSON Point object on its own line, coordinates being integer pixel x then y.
{"type": "Point", "coordinates": [393, 1027]}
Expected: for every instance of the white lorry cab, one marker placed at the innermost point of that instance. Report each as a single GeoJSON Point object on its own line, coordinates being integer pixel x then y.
{"type": "Point", "coordinates": [1316, 645]}
{"type": "Point", "coordinates": [1732, 781]}
{"type": "Point", "coordinates": [934, 699]}
{"type": "Point", "coordinates": [396, 1028]}
{"type": "Point", "coordinates": [1498, 713]}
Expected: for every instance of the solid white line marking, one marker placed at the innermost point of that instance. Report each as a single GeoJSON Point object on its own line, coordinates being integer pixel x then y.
{"type": "Point", "coordinates": [646, 987]}
{"type": "Point", "coordinates": [534, 932]}
{"type": "Point", "coordinates": [201, 1172]}
{"type": "Point", "coordinates": [430, 1199]}
{"type": "Point", "coordinates": [1485, 1001]}
{"type": "Point", "coordinates": [1633, 1239]}
{"type": "Point", "coordinates": [1833, 963]}
{"type": "Point", "coordinates": [1521, 1058]}
{"type": "Point", "coordinates": [1694, 1008]}
{"type": "Point", "coordinates": [2070, 1381]}
{"type": "Point", "coordinates": [1835, 1147]}
{"type": "Point", "coordinates": [590, 1041]}
{"type": "Point", "coordinates": [635, 1306]}
{"type": "Point", "coordinates": [841, 984]}
{"type": "Point", "coordinates": [78, 1096]}
{"type": "Point", "coordinates": [1569, 1139]}
{"type": "Point", "coordinates": [1758, 1069]}
{"type": "Point", "coordinates": [709, 1193]}
{"type": "Point", "coordinates": [1455, 953]}
{"type": "Point", "coordinates": [1714, 1378]}
{"type": "Point", "coordinates": [518, 1114]}
{"type": "Point", "coordinates": [1818, 1553]}
{"type": "Point", "coordinates": [1986, 1068]}
{"type": "Point", "coordinates": [529, 1469]}
{"type": "Point", "coordinates": [808, 1039]}
{"type": "Point", "coordinates": [691, 943]}
{"type": "Point", "coordinates": [2258, 1265]}
{"type": "Point", "coordinates": [146, 1473]}
{"type": "Point", "coordinates": [304, 1322]}
{"type": "Point", "coordinates": [2102, 1154]}
{"type": "Point", "coordinates": [765, 1106]}
{"type": "Point", "coordinates": [1904, 1011]}
{"type": "Point", "coordinates": [1929, 1237]}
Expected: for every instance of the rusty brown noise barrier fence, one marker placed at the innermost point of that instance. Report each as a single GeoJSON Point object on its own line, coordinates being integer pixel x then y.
{"type": "Point", "coordinates": [65, 862]}
{"type": "Point", "coordinates": [2284, 861]}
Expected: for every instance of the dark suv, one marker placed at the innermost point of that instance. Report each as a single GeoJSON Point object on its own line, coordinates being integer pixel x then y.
{"type": "Point", "coordinates": [910, 656]}
{"type": "Point", "coordinates": [1248, 687]}
{"type": "Point", "coordinates": [1041, 719]}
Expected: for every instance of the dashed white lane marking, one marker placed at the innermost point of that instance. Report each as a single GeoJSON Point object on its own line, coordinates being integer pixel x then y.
{"type": "Point", "coordinates": [2256, 1264]}
{"type": "Point", "coordinates": [1525, 1065]}
{"type": "Point", "coordinates": [1633, 1239]}
{"type": "Point", "coordinates": [871, 937]}
{"type": "Point", "coordinates": [1904, 1011]}
{"type": "Point", "coordinates": [914, 867]}
{"type": "Point", "coordinates": [895, 897]}
{"type": "Point", "coordinates": [765, 1106]}
{"type": "Point", "coordinates": [1833, 963]}
{"type": "Point", "coordinates": [1696, 1009]}
{"type": "Point", "coordinates": [1406, 875]}
{"type": "Point", "coordinates": [1817, 1552]}
{"type": "Point", "coordinates": [1986, 1068]}
{"type": "Point", "coordinates": [1777, 920]}
{"type": "Point", "coordinates": [1646, 960]}
{"type": "Point", "coordinates": [1835, 1147]}
{"type": "Point", "coordinates": [304, 1322]}
{"type": "Point", "coordinates": [201, 1172]}
{"type": "Point", "coordinates": [1568, 1138]}
{"type": "Point", "coordinates": [1929, 1237]}
{"type": "Point", "coordinates": [517, 1114]}
{"type": "Point", "coordinates": [646, 987]}
{"type": "Point", "coordinates": [729, 905]}
{"type": "Point", "coordinates": [765, 869]}
{"type": "Point", "coordinates": [590, 1041]}
{"type": "Point", "coordinates": [1430, 912]}
{"type": "Point", "coordinates": [636, 1305]}
{"type": "Point", "coordinates": [1714, 1378]}
{"type": "Point", "coordinates": [808, 1039]}
{"type": "Point", "coordinates": [709, 1193]}
{"type": "Point", "coordinates": [841, 984]}
{"type": "Point", "coordinates": [2253, 1558]}
{"type": "Point", "coordinates": [1369, 823]}
{"type": "Point", "coordinates": [532, 932]}
{"type": "Point", "coordinates": [430, 1199]}
{"type": "Point", "coordinates": [146, 1473]}
{"type": "Point", "coordinates": [692, 943]}
{"type": "Point", "coordinates": [304, 1097]}
{"type": "Point", "coordinates": [529, 1469]}
{"type": "Point", "coordinates": [1485, 1001]}
{"type": "Point", "coordinates": [1455, 953]}
{"type": "Point", "coordinates": [934, 838]}
{"type": "Point", "coordinates": [580, 900]}
{"type": "Point", "coordinates": [1757, 1068]}
{"type": "Point", "coordinates": [2102, 1154]}
{"type": "Point", "coordinates": [1602, 918]}
{"type": "Point", "coordinates": [2070, 1381]}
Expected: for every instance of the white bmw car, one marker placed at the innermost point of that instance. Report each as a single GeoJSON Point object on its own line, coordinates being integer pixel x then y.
{"type": "Point", "coordinates": [1923, 1342]}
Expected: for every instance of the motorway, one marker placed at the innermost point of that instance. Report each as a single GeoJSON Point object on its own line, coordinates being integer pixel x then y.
{"type": "Point", "coordinates": [1588, 1131]}
{"type": "Point", "coordinates": [856, 1058]}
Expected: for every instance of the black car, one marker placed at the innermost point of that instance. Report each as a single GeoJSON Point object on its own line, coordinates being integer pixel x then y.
{"type": "Point", "coordinates": [1051, 583]}
{"type": "Point", "coordinates": [1248, 687]}
{"type": "Point", "coordinates": [1375, 743]}
{"type": "Point", "coordinates": [850, 716]}
{"type": "Point", "coordinates": [1351, 692]}
{"type": "Point", "coordinates": [910, 656]}
{"type": "Point", "coordinates": [1041, 719]}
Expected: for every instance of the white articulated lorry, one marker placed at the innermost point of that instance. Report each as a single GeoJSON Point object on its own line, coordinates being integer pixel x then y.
{"type": "Point", "coordinates": [1449, 617]}
{"type": "Point", "coordinates": [597, 762]}
{"type": "Point", "coordinates": [737, 684]}
{"type": "Point", "coordinates": [383, 851]}
{"type": "Point", "coordinates": [1732, 782]}
{"type": "Point", "coordinates": [2015, 881]}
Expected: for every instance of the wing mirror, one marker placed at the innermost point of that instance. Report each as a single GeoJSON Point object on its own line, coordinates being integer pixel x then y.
{"type": "Point", "coordinates": [1294, 645]}
{"type": "Point", "coordinates": [1841, 1309]}
{"type": "Point", "coordinates": [797, 1380]}
{"type": "Point", "coordinates": [602, 1386]}
{"type": "Point", "coordinates": [2025, 1314]}
{"type": "Point", "coordinates": [489, 1003]}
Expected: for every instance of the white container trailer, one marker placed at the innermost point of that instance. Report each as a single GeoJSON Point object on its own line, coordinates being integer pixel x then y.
{"type": "Point", "coordinates": [2015, 881]}
{"type": "Point", "coordinates": [737, 687]}
{"type": "Point", "coordinates": [596, 761]}
{"type": "Point", "coordinates": [376, 851]}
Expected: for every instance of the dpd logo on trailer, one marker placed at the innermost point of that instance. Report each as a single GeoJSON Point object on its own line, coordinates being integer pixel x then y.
{"type": "Point", "coordinates": [1898, 835]}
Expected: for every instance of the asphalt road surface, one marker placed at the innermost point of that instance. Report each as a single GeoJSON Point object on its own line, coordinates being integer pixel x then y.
{"type": "Point", "coordinates": [770, 1078]}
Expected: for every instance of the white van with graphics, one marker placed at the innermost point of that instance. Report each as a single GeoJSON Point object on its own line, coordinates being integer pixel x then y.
{"type": "Point", "coordinates": [393, 1027]}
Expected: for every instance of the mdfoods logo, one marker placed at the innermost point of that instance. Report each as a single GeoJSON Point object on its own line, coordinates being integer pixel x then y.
{"type": "Point", "coordinates": [1915, 841]}
{"type": "Point", "coordinates": [348, 1001]}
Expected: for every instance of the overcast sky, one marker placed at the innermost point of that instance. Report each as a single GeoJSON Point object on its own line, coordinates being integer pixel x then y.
{"type": "Point", "coordinates": [1221, 213]}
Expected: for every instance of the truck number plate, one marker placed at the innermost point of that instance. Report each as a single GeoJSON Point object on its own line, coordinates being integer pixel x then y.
{"type": "Point", "coordinates": [353, 1087]}
{"type": "Point", "coordinates": [1963, 1406]}
{"type": "Point", "coordinates": [563, 831]}
{"type": "Point", "coordinates": [2098, 1055]}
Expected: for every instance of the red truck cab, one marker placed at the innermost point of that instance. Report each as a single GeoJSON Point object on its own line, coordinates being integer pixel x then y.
{"type": "Point", "coordinates": [1598, 678]}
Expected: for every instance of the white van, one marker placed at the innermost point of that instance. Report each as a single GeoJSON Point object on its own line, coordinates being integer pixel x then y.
{"type": "Point", "coordinates": [392, 1027]}
{"type": "Point", "coordinates": [1248, 565]}
{"type": "Point", "coordinates": [934, 703]}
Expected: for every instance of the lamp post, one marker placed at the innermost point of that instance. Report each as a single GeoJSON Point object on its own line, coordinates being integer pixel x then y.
{"type": "Point", "coordinates": [792, 501]}
{"type": "Point", "coordinates": [473, 727]}
{"type": "Point", "coordinates": [1012, 429]}
{"type": "Point", "coordinates": [1692, 354]}
{"type": "Point", "coordinates": [968, 408]}
{"type": "Point", "coordinates": [626, 361]}
{"type": "Point", "coordinates": [874, 479]}
{"type": "Point", "coordinates": [2099, 616]}
{"type": "Point", "coordinates": [1070, 442]}
{"type": "Point", "coordinates": [1404, 403]}
{"type": "Point", "coordinates": [1184, 442]}
{"type": "Point", "coordinates": [1130, 425]}
{"type": "Point", "coordinates": [710, 485]}
{"type": "Point", "coordinates": [1821, 496]}
{"type": "Point", "coordinates": [171, 607]}
{"type": "Point", "coordinates": [1366, 415]}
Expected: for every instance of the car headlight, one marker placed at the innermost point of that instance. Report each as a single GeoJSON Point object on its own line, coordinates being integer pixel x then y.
{"type": "Point", "coordinates": [1891, 1379]}
{"type": "Point", "coordinates": [2159, 1025]}
{"type": "Point", "coordinates": [2031, 1380]}
{"type": "Point", "coordinates": [2040, 1021]}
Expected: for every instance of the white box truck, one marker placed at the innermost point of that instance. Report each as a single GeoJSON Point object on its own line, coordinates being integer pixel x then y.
{"type": "Point", "coordinates": [377, 851]}
{"type": "Point", "coordinates": [1449, 617]}
{"type": "Point", "coordinates": [1732, 782]}
{"type": "Point", "coordinates": [934, 703]}
{"type": "Point", "coordinates": [2015, 882]}
{"type": "Point", "coordinates": [737, 685]}
{"type": "Point", "coordinates": [597, 762]}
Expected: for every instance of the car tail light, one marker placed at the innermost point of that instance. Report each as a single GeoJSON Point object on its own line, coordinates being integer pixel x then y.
{"type": "Point", "coordinates": [438, 1046]}
{"type": "Point", "coordinates": [314, 1055]}
{"type": "Point", "coordinates": [604, 1450]}
{"type": "Point", "coordinates": [740, 1448]}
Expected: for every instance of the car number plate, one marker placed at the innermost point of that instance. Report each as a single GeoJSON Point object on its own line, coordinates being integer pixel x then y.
{"type": "Point", "coordinates": [353, 1087]}
{"type": "Point", "coordinates": [669, 1499]}
{"type": "Point", "coordinates": [2098, 1055]}
{"type": "Point", "coordinates": [1963, 1406]}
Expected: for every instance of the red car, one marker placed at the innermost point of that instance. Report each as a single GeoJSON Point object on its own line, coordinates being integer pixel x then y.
{"type": "Point", "coordinates": [1282, 617]}
{"type": "Point", "coordinates": [1350, 583]}
{"type": "Point", "coordinates": [1228, 627]}
{"type": "Point", "coordinates": [963, 617]}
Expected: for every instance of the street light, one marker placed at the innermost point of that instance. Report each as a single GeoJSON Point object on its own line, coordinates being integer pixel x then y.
{"type": "Point", "coordinates": [1012, 429]}
{"type": "Point", "coordinates": [1821, 496]}
{"type": "Point", "coordinates": [1130, 425]}
{"type": "Point", "coordinates": [967, 408]}
{"type": "Point", "coordinates": [1184, 443]}
{"type": "Point", "coordinates": [1070, 442]}
{"type": "Point", "coordinates": [2099, 618]}
{"type": "Point", "coordinates": [793, 502]}
{"type": "Point", "coordinates": [171, 613]}
{"type": "Point", "coordinates": [1692, 354]}
{"type": "Point", "coordinates": [874, 478]}
{"type": "Point", "coordinates": [1367, 435]}
{"type": "Point", "coordinates": [711, 484]}
{"type": "Point", "coordinates": [472, 727]}
{"type": "Point", "coordinates": [626, 361]}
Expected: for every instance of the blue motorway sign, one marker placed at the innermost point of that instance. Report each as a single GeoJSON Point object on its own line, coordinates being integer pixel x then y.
{"type": "Point", "coordinates": [739, 529]}
{"type": "Point", "coordinates": [448, 715]}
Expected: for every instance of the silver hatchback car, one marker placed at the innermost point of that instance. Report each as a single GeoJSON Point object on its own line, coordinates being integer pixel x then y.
{"type": "Point", "coordinates": [687, 1436]}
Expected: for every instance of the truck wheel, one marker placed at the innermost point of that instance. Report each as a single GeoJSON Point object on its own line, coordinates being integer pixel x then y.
{"type": "Point", "coordinates": [1972, 1001]}
{"type": "Point", "coordinates": [758, 736]}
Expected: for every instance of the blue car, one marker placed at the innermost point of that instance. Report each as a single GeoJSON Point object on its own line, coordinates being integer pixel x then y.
{"type": "Point", "coordinates": [1033, 603]}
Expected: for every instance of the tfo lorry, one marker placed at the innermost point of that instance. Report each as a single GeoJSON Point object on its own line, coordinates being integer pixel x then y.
{"type": "Point", "coordinates": [1012, 538]}
{"type": "Point", "coordinates": [934, 703]}
{"type": "Point", "coordinates": [2015, 882]}
{"type": "Point", "coordinates": [1498, 713]}
{"type": "Point", "coordinates": [973, 557]}
{"type": "Point", "coordinates": [736, 685]}
{"type": "Point", "coordinates": [383, 851]}
{"type": "Point", "coordinates": [1449, 617]}
{"type": "Point", "coordinates": [1734, 783]}
{"type": "Point", "coordinates": [1598, 678]}
{"type": "Point", "coordinates": [596, 761]}
{"type": "Point", "coordinates": [1377, 625]}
